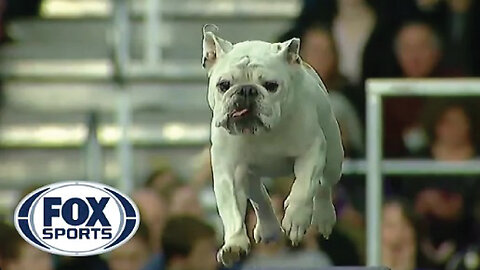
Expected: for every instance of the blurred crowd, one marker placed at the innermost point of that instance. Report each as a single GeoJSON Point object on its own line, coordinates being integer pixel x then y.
{"type": "Point", "coordinates": [429, 222]}
{"type": "Point", "coordinates": [348, 41]}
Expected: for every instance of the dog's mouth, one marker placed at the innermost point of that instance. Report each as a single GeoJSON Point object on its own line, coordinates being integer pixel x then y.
{"type": "Point", "coordinates": [238, 113]}
{"type": "Point", "coordinates": [243, 121]}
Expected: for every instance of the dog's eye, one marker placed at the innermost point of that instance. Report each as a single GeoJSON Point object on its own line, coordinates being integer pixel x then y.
{"type": "Point", "coordinates": [223, 86]}
{"type": "Point", "coordinates": [271, 86]}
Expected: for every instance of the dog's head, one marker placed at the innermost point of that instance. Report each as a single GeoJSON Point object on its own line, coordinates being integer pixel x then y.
{"type": "Point", "coordinates": [250, 82]}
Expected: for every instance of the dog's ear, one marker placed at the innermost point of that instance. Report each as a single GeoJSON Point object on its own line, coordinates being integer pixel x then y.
{"type": "Point", "coordinates": [213, 47]}
{"type": "Point", "coordinates": [290, 49]}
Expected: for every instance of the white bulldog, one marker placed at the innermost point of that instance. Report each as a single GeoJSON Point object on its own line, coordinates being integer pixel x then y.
{"type": "Point", "coordinates": [271, 117]}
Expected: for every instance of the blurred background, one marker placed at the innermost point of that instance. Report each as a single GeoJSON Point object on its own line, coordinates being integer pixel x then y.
{"type": "Point", "coordinates": [113, 91]}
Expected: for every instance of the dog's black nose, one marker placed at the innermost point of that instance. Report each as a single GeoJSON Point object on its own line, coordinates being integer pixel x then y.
{"type": "Point", "coordinates": [248, 91]}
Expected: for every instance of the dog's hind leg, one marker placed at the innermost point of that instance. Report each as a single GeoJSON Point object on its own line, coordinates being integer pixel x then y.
{"type": "Point", "coordinates": [268, 227]}
{"type": "Point", "coordinates": [324, 216]}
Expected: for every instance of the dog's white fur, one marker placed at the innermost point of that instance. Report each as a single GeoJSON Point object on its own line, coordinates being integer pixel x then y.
{"type": "Point", "coordinates": [299, 134]}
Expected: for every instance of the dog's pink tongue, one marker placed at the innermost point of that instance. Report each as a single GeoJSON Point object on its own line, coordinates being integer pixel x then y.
{"type": "Point", "coordinates": [240, 113]}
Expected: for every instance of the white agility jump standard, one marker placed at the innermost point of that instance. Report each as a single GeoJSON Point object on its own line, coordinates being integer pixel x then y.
{"type": "Point", "coordinates": [376, 167]}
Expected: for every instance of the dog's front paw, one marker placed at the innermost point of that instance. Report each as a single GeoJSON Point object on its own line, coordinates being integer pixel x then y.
{"type": "Point", "coordinates": [232, 251]}
{"type": "Point", "coordinates": [324, 217]}
{"type": "Point", "coordinates": [297, 219]}
{"type": "Point", "coordinates": [267, 231]}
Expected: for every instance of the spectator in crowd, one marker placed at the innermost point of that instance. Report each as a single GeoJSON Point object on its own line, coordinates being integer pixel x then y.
{"type": "Point", "coordinates": [319, 50]}
{"type": "Point", "coordinates": [418, 51]}
{"type": "Point", "coordinates": [459, 25]}
{"type": "Point", "coordinates": [188, 244]}
{"type": "Point", "coordinates": [154, 211]}
{"type": "Point", "coordinates": [400, 236]}
{"type": "Point", "coordinates": [452, 128]}
{"type": "Point", "coordinates": [352, 28]}
{"type": "Point", "coordinates": [16, 254]}
{"type": "Point", "coordinates": [163, 181]}
{"type": "Point", "coordinates": [185, 201]}
{"type": "Point", "coordinates": [132, 255]}
{"type": "Point", "coordinates": [361, 33]}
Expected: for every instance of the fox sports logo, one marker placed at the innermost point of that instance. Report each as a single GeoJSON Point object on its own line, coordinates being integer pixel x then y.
{"type": "Point", "coordinates": [76, 218]}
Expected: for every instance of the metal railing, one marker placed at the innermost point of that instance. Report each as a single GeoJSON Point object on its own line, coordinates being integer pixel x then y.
{"type": "Point", "coordinates": [120, 60]}
{"type": "Point", "coordinates": [376, 167]}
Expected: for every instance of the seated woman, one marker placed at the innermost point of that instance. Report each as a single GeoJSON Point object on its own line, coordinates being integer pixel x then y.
{"type": "Point", "coordinates": [400, 236]}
